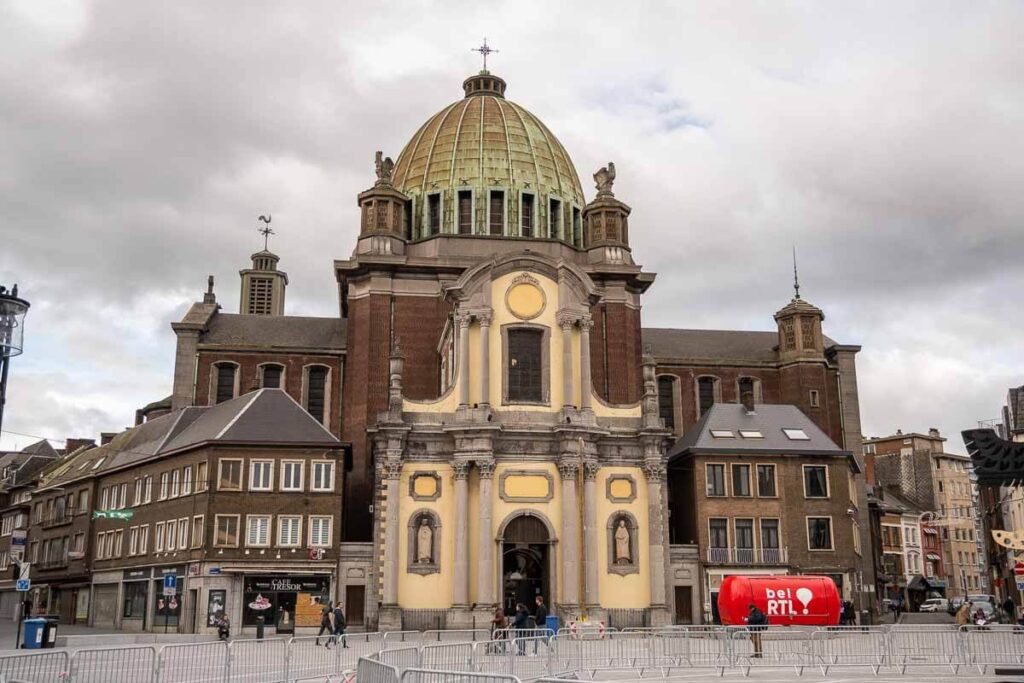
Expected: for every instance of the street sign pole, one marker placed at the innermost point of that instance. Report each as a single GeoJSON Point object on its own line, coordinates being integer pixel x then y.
{"type": "Point", "coordinates": [23, 584]}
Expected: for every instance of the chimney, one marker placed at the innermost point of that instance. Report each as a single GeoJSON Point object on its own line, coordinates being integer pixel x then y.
{"type": "Point", "coordinates": [933, 432]}
{"type": "Point", "coordinates": [747, 399]}
{"type": "Point", "coordinates": [107, 437]}
{"type": "Point", "coordinates": [72, 445]}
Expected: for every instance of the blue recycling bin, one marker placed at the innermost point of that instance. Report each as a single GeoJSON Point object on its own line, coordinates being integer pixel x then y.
{"type": "Point", "coordinates": [552, 623]}
{"type": "Point", "coordinates": [34, 631]}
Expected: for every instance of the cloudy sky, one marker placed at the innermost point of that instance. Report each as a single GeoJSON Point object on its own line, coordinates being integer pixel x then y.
{"type": "Point", "coordinates": [140, 140]}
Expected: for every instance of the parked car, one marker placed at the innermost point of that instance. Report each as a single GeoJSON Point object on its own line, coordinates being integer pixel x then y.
{"type": "Point", "coordinates": [935, 605]}
{"type": "Point", "coordinates": [990, 599]}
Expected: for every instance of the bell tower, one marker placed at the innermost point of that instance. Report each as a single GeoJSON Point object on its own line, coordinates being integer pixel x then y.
{"type": "Point", "coordinates": [263, 286]}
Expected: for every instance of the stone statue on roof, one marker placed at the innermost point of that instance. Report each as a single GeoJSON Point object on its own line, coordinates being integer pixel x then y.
{"type": "Point", "coordinates": [605, 178]}
{"type": "Point", "coordinates": [385, 167]}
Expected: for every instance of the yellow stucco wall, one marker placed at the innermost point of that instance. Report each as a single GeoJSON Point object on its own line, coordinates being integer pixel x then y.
{"type": "Point", "coordinates": [630, 590]}
{"type": "Point", "coordinates": [431, 590]}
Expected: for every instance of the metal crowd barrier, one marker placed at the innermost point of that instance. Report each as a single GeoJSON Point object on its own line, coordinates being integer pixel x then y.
{"type": "Point", "coordinates": [385, 657]}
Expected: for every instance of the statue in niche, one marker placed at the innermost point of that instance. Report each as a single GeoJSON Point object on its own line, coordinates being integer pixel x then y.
{"type": "Point", "coordinates": [605, 178]}
{"type": "Point", "coordinates": [425, 542]}
{"type": "Point", "coordinates": [622, 550]}
{"type": "Point", "coordinates": [385, 166]}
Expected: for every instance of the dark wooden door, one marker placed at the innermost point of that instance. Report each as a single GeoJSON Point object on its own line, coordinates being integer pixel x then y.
{"type": "Point", "coordinates": [684, 605]}
{"type": "Point", "coordinates": [355, 601]}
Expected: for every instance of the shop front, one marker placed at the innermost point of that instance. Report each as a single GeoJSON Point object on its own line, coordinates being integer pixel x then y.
{"type": "Point", "coordinates": [285, 601]}
{"type": "Point", "coordinates": [135, 597]}
{"type": "Point", "coordinates": [167, 608]}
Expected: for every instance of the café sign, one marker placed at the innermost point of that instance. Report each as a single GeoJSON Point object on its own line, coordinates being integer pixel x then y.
{"type": "Point", "coordinates": [288, 584]}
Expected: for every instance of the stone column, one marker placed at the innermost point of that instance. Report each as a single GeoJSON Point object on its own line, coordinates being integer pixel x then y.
{"type": "Point", "coordinates": [655, 474]}
{"type": "Point", "coordinates": [485, 358]}
{"type": "Point", "coordinates": [570, 537]}
{"type": "Point", "coordinates": [591, 534]}
{"type": "Point", "coordinates": [392, 534]}
{"type": "Point", "coordinates": [566, 323]}
{"type": "Point", "coordinates": [485, 577]}
{"type": "Point", "coordinates": [585, 385]}
{"type": "Point", "coordinates": [460, 575]}
{"type": "Point", "coordinates": [463, 322]}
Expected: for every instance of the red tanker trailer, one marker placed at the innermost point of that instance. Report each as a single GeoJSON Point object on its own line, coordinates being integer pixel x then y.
{"type": "Point", "coordinates": [785, 600]}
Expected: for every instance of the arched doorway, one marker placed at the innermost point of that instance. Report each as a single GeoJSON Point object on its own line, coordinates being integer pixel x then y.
{"type": "Point", "coordinates": [527, 558]}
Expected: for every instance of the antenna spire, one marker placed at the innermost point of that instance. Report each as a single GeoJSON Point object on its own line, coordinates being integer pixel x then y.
{"type": "Point", "coordinates": [266, 230]}
{"type": "Point", "coordinates": [796, 277]}
{"type": "Point", "coordinates": [484, 50]}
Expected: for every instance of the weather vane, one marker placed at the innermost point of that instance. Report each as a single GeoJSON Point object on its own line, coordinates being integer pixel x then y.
{"type": "Point", "coordinates": [266, 230]}
{"type": "Point", "coordinates": [484, 50]}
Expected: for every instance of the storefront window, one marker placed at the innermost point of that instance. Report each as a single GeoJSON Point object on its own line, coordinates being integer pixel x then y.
{"type": "Point", "coordinates": [134, 600]}
{"type": "Point", "coordinates": [283, 599]}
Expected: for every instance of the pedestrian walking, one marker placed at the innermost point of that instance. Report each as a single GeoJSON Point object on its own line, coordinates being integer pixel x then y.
{"type": "Point", "coordinates": [521, 623]}
{"type": "Point", "coordinates": [499, 630]}
{"type": "Point", "coordinates": [963, 615]}
{"type": "Point", "coordinates": [326, 624]}
{"type": "Point", "coordinates": [339, 624]}
{"type": "Point", "coordinates": [756, 623]}
{"type": "Point", "coordinates": [540, 614]}
{"type": "Point", "coordinates": [1010, 609]}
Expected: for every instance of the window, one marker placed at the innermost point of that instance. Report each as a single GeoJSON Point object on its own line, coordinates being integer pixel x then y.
{"type": "Point", "coordinates": [78, 546]}
{"type": "Point", "coordinates": [226, 533]}
{"type": "Point", "coordinates": [230, 477]}
{"type": "Point", "coordinates": [715, 480]}
{"type": "Point", "coordinates": [577, 228]}
{"type": "Point", "coordinates": [496, 213]}
{"type": "Point", "coordinates": [261, 475]}
{"type": "Point", "coordinates": [165, 480]}
{"type": "Point", "coordinates": [186, 480]}
{"type": "Point", "coordinates": [96, 465]}
{"type": "Point", "coordinates": [770, 534]}
{"type": "Point", "coordinates": [175, 484]}
{"type": "Point", "coordinates": [554, 218]}
{"type": "Point", "coordinates": [796, 435]}
{"type": "Point", "coordinates": [291, 475]}
{"type": "Point", "coordinates": [433, 214]}
{"type": "Point", "coordinates": [148, 489]}
{"type": "Point", "coordinates": [143, 539]}
{"type": "Point", "coordinates": [171, 535]}
{"type": "Point", "coordinates": [815, 481]}
{"type": "Point", "coordinates": [465, 206]}
{"type": "Point", "coordinates": [158, 541]}
{"type": "Point", "coordinates": [133, 540]}
{"type": "Point", "coordinates": [198, 529]}
{"type": "Point", "coordinates": [766, 481]}
{"type": "Point", "coordinates": [137, 500]}
{"type": "Point", "coordinates": [135, 596]}
{"type": "Point", "coordinates": [722, 434]}
{"type": "Point", "coordinates": [323, 476]}
{"type": "Point", "coordinates": [751, 434]}
{"type": "Point", "coordinates": [705, 393]}
{"type": "Point", "coordinates": [667, 401]}
{"type": "Point", "coordinates": [201, 483]}
{"type": "Point", "coordinates": [718, 532]}
{"type": "Point", "coordinates": [104, 501]}
{"type": "Point", "coordinates": [289, 531]}
{"type": "Point", "coordinates": [525, 361]}
{"type": "Point", "coordinates": [526, 216]}
{"type": "Point", "coordinates": [257, 530]}
{"type": "Point", "coordinates": [225, 390]}
{"type": "Point", "coordinates": [118, 541]}
{"type": "Point", "coordinates": [744, 539]}
{"type": "Point", "coordinates": [316, 391]}
{"type": "Point", "coordinates": [272, 376]}
{"type": "Point", "coordinates": [320, 531]}
{"type": "Point", "coordinates": [183, 533]}
{"type": "Point", "coordinates": [814, 400]}
{"type": "Point", "coordinates": [741, 480]}
{"type": "Point", "coordinates": [819, 533]}
{"type": "Point", "coordinates": [744, 386]}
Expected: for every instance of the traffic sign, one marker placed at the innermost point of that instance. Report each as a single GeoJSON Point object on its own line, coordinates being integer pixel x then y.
{"type": "Point", "coordinates": [23, 585]}
{"type": "Point", "coordinates": [23, 570]}
{"type": "Point", "coordinates": [1018, 569]}
{"type": "Point", "coordinates": [170, 584]}
{"type": "Point", "coordinates": [1020, 585]}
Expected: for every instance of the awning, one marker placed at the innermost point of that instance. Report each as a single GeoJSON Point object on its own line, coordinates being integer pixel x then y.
{"type": "Point", "coordinates": [933, 558]}
{"type": "Point", "coordinates": [918, 583]}
{"type": "Point", "coordinates": [930, 530]}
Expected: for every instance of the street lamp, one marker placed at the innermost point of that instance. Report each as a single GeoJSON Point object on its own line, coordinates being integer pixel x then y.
{"type": "Point", "coordinates": [12, 336]}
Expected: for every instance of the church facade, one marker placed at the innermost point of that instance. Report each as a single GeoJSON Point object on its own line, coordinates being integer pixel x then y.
{"type": "Point", "coordinates": [508, 420]}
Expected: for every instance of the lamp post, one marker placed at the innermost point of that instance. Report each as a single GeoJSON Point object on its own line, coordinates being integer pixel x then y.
{"type": "Point", "coordinates": [12, 336]}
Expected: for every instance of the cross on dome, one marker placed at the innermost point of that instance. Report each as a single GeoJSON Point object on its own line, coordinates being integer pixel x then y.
{"type": "Point", "coordinates": [484, 50]}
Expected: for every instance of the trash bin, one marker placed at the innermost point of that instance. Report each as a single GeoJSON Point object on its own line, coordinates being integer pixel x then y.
{"type": "Point", "coordinates": [865, 618]}
{"type": "Point", "coordinates": [50, 632]}
{"type": "Point", "coordinates": [551, 623]}
{"type": "Point", "coordinates": [34, 632]}
{"type": "Point", "coordinates": [259, 627]}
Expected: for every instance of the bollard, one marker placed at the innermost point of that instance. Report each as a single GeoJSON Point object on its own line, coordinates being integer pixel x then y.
{"type": "Point", "coordinates": [259, 627]}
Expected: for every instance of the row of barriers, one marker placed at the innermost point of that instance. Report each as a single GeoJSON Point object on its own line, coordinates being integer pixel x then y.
{"type": "Point", "coordinates": [385, 657]}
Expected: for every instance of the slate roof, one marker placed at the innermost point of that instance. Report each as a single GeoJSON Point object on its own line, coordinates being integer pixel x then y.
{"type": "Point", "coordinates": [264, 416]}
{"type": "Point", "coordinates": [718, 345]}
{"type": "Point", "coordinates": [28, 462]}
{"type": "Point", "coordinates": [275, 331]}
{"type": "Point", "coordinates": [770, 420]}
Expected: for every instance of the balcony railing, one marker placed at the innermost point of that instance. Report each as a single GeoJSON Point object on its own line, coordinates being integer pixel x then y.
{"type": "Point", "coordinates": [748, 556]}
{"type": "Point", "coordinates": [57, 520]}
{"type": "Point", "coordinates": [54, 563]}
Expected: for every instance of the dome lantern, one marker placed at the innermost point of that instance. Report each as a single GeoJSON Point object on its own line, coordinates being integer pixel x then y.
{"type": "Point", "coordinates": [484, 83]}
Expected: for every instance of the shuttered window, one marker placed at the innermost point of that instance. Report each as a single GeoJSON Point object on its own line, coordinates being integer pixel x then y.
{"type": "Point", "coordinates": [225, 383]}
{"type": "Point", "coordinates": [465, 212]}
{"type": "Point", "coordinates": [496, 213]}
{"type": "Point", "coordinates": [272, 376]}
{"type": "Point", "coordinates": [526, 220]}
{"type": "Point", "coordinates": [706, 393]}
{"type": "Point", "coordinates": [666, 402]}
{"type": "Point", "coordinates": [434, 214]}
{"type": "Point", "coordinates": [316, 391]}
{"type": "Point", "coordinates": [525, 365]}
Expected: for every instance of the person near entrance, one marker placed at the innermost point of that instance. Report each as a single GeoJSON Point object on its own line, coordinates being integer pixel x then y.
{"type": "Point", "coordinates": [521, 624]}
{"type": "Point", "coordinates": [540, 615]}
{"type": "Point", "coordinates": [339, 624]}
{"type": "Point", "coordinates": [326, 624]}
{"type": "Point", "coordinates": [756, 623]}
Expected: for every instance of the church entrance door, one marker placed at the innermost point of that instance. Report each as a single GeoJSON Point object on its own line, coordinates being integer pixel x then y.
{"type": "Point", "coordinates": [526, 564]}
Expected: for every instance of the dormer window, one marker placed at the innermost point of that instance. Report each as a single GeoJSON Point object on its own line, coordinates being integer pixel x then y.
{"type": "Point", "coordinates": [496, 213]}
{"type": "Point", "coordinates": [434, 213]}
{"type": "Point", "coordinates": [526, 210]}
{"type": "Point", "coordinates": [554, 218]}
{"type": "Point", "coordinates": [465, 209]}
